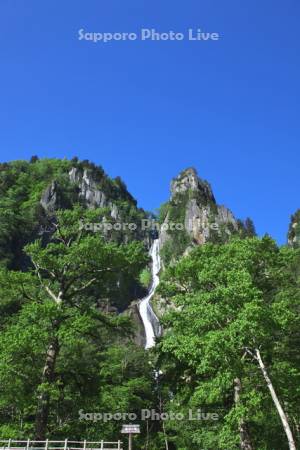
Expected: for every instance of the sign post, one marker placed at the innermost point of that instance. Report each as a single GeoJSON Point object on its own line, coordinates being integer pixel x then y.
{"type": "Point", "coordinates": [130, 430]}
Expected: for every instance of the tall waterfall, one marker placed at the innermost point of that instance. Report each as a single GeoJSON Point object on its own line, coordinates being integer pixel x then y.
{"type": "Point", "coordinates": [149, 318]}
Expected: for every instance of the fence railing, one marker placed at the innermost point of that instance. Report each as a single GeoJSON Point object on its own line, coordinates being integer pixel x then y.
{"type": "Point", "coordinates": [12, 444]}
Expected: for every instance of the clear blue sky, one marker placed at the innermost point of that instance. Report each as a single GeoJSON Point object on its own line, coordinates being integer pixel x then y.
{"type": "Point", "coordinates": [146, 110]}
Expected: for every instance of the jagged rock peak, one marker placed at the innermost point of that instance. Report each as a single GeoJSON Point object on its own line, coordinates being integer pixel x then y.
{"type": "Point", "coordinates": [188, 180]}
{"type": "Point", "coordinates": [193, 206]}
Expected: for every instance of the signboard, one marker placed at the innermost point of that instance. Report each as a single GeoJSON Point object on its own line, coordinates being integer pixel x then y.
{"type": "Point", "coordinates": [131, 429]}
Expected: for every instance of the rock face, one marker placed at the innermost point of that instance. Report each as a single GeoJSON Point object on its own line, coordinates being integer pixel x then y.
{"type": "Point", "coordinates": [188, 180]}
{"type": "Point", "coordinates": [294, 230]}
{"type": "Point", "coordinates": [139, 331]}
{"type": "Point", "coordinates": [202, 222]}
{"type": "Point", "coordinates": [193, 205]}
{"type": "Point", "coordinates": [49, 200]}
{"type": "Point", "coordinates": [94, 189]}
{"type": "Point", "coordinates": [88, 190]}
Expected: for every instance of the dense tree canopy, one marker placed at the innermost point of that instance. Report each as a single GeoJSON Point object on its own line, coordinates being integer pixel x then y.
{"type": "Point", "coordinates": [54, 336]}
{"type": "Point", "coordinates": [225, 372]}
{"type": "Point", "coordinates": [228, 301]}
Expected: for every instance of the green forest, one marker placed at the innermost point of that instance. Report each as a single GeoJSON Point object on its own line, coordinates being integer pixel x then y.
{"type": "Point", "coordinates": [224, 373]}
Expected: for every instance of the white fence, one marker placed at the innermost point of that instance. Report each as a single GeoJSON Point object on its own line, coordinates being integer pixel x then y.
{"type": "Point", "coordinates": [11, 444]}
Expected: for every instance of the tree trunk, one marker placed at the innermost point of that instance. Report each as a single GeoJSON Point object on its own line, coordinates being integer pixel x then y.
{"type": "Point", "coordinates": [163, 424]}
{"type": "Point", "coordinates": [283, 417]}
{"type": "Point", "coordinates": [245, 442]}
{"type": "Point", "coordinates": [44, 398]}
{"type": "Point", "coordinates": [147, 436]}
{"type": "Point", "coordinates": [165, 436]}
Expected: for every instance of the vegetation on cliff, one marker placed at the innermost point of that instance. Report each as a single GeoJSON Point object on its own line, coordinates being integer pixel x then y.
{"type": "Point", "coordinates": [228, 359]}
{"type": "Point", "coordinates": [24, 217]}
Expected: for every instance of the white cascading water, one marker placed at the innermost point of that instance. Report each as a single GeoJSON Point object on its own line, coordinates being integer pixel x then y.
{"type": "Point", "coordinates": [149, 318]}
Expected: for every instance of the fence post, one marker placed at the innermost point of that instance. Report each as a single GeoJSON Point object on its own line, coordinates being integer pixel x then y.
{"type": "Point", "coordinates": [84, 444]}
{"type": "Point", "coordinates": [46, 444]}
{"type": "Point", "coordinates": [9, 442]}
{"type": "Point", "coordinates": [66, 444]}
{"type": "Point", "coordinates": [28, 444]}
{"type": "Point", "coordinates": [102, 445]}
{"type": "Point", "coordinates": [119, 445]}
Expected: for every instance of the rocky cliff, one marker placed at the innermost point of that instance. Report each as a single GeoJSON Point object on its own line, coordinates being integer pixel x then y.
{"type": "Point", "coordinates": [32, 192]}
{"type": "Point", "coordinates": [193, 217]}
{"type": "Point", "coordinates": [294, 230]}
{"type": "Point", "coordinates": [88, 192]}
{"type": "Point", "coordinates": [92, 188]}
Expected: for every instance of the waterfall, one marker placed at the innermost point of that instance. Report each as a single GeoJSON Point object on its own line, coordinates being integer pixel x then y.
{"type": "Point", "coordinates": [149, 318]}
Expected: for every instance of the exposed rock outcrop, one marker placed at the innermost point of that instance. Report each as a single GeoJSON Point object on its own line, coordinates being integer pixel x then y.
{"type": "Point", "coordinates": [49, 200]}
{"type": "Point", "coordinates": [88, 190]}
{"type": "Point", "coordinates": [193, 205]}
{"type": "Point", "coordinates": [202, 222]}
{"type": "Point", "coordinates": [139, 332]}
{"type": "Point", "coordinates": [188, 180]}
{"type": "Point", "coordinates": [120, 219]}
{"type": "Point", "coordinates": [294, 230]}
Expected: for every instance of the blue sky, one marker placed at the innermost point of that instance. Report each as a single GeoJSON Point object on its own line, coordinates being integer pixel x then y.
{"type": "Point", "coordinates": [145, 110]}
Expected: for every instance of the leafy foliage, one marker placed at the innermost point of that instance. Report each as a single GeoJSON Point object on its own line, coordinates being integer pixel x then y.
{"type": "Point", "coordinates": [22, 217]}
{"type": "Point", "coordinates": [66, 349]}
{"type": "Point", "coordinates": [56, 303]}
{"type": "Point", "coordinates": [230, 298]}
